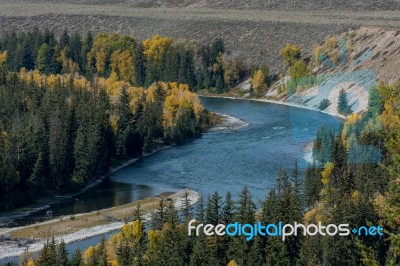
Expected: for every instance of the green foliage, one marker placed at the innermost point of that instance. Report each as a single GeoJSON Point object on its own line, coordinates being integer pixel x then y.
{"type": "Point", "coordinates": [343, 103]}
{"type": "Point", "coordinates": [58, 133]}
{"type": "Point", "coordinates": [139, 63]}
{"type": "Point", "coordinates": [324, 104]}
{"type": "Point", "coordinates": [298, 69]}
{"type": "Point", "coordinates": [290, 53]}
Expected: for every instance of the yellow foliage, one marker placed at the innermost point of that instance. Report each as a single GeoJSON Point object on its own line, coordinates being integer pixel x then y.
{"type": "Point", "coordinates": [114, 123]}
{"type": "Point", "coordinates": [30, 263]}
{"type": "Point", "coordinates": [88, 253]}
{"type": "Point", "coordinates": [51, 81]}
{"type": "Point", "coordinates": [132, 231]}
{"type": "Point", "coordinates": [317, 53]}
{"type": "Point", "coordinates": [81, 82]}
{"type": "Point", "coordinates": [258, 81]}
{"type": "Point", "coordinates": [232, 263]}
{"type": "Point", "coordinates": [331, 42]}
{"type": "Point", "coordinates": [299, 69]}
{"type": "Point", "coordinates": [327, 172]}
{"type": "Point", "coordinates": [3, 58]}
{"type": "Point", "coordinates": [309, 216]}
{"type": "Point", "coordinates": [155, 47]}
{"type": "Point", "coordinates": [101, 60]}
{"type": "Point", "coordinates": [154, 238]}
{"type": "Point", "coordinates": [179, 98]}
{"type": "Point", "coordinates": [355, 196]}
{"type": "Point", "coordinates": [122, 65]}
{"type": "Point", "coordinates": [290, 53]}
{"type": "Point", "coordinates": [137, 95]}
{"type": "Point", "coordinates": [353, 118]}
{"type": "Point", "coordinates": [38, 78]}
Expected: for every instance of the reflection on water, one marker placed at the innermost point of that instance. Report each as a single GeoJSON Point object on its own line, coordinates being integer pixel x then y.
{"type": "Point", "coordinates": [219, 161]}
{"type": "Point", "coordinates": [107, 194]}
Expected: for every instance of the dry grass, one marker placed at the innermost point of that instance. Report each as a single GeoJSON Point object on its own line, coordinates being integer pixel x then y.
{"type": "Point", "coordinates": [70, 224]}
{"type": "Point", "coordinates": [253, 34]}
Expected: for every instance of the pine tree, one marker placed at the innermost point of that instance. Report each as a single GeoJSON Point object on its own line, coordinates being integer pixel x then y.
{"type": "Point", "coordinates": [256, 253]}
{"type": "Point", "coordinates": [312, 185]}
{"type": "Point", "coordinates": [186, 208]}
{"type": "Point", "coordinates": [64, 39]}
{"type": "Point", "coordinates": [228, 209]}
{"type": "Point", "coordinates": [200, 214]}
{"type": "Point", "coordinates": [76, 259]}
{"type": "Point", "coordinates": [158, 218]}
{"type": "Point", "coordinates": [137, 213]}
{"type": "Point", "coordinates": [101, 253]}
{"type": "Point", "coordinates": [62, 254]}
{"type": "Point", "coordinates": [276, 254]}
{"type": "Point", "coordinates": [214, 207]}
{"type": "Point", "coordinates": [201, 253]}
{"type": "Point", "coordinates": [343, 105]}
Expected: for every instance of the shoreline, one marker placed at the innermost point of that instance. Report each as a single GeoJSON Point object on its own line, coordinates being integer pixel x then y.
{"type": "Point", "coordinates": [60, 198]}
{"type": "Point", "coordinates": [12, 248]}
{"type": "Point", "coordinates": [227, 123]}
{"type": "Point", "coordinates": [275, 102]}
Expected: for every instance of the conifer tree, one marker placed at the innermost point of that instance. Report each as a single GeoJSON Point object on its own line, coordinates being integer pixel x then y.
{"type": "Point", "coordinates": [76, 259]}
{"type": "Point", "coordinates": [343, 105]}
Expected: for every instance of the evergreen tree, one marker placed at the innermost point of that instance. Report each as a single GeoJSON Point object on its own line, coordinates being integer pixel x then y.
{"type": "Point", "coordinates": [214, 207]}
{"type": "Point", "coordinates": [76, 259]}
{"type": "Point", "coordinates": [246, 207]}
{"type": "Point", "coordinates": [62, 254]}
{"type": "Point", "coordinates": [228, 209]}
{"type": "Point", "coordinates": [140, 66]}
{"type": "Point", "coordinates": [201, 253]}
{"type": "Point", "coordinates": [186, 208]}
{"type": "Point", "coordinates": [200, 213]}
{"type": "Point", "coordinates": [343, 105]}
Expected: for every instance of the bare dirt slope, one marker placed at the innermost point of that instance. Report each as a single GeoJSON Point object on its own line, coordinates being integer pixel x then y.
{"type": "Point", "coordinates": [372, 55]}
{"type": "Point", "coordinates": [255, 34]}
{"type": "Point", "coordinates": [248, 4]}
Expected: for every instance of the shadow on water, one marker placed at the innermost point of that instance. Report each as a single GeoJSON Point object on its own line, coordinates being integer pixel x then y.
{"type": "Point", "coordinates": [218, 161]}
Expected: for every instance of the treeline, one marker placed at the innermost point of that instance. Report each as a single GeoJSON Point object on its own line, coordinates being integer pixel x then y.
{"type": "Point", "coordinates": [59, 132]}
{"type": "Point", "coordinates": [139, 63]}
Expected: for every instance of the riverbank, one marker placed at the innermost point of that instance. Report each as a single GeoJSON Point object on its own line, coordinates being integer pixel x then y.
{"type": "Point", "coordinates": [71, 228]}
{"type": "Point", "coordinates": [46, 203]}
{"type": "Point", "coordinates": [81, 226]}
{"type": "Point", "coordinates": [265, 100]}
{"type": "Point", "coordinates": [225, 122]}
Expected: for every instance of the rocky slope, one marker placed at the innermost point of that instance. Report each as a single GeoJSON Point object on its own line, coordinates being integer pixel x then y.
{"type": "Point", "coordinates": [369, 55]}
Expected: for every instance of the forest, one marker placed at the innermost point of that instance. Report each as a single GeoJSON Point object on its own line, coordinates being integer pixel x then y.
{"type": "Point", "coordinates": [71, 108]}
{"type": "Point", "coordinates": [73, 105]}
{"type": "Point", "coordinates": [335, 188]}
{"type": "Point", "coordinates": [139, 63]}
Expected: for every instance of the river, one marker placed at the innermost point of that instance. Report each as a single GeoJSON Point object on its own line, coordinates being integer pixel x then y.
{"type": "Point", "coordinates": [218, 161]}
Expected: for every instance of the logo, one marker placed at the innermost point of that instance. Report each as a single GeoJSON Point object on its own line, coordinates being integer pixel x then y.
{"type": "Point", "coordinates": [280, 230]}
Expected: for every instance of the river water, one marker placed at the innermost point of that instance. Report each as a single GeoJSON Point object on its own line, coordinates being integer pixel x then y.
{"type": "Point", "coordinates": [218, 161]}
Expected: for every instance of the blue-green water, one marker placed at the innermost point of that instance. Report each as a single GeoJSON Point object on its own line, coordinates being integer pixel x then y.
{"type": "Point", "coordinates": [218, 161]}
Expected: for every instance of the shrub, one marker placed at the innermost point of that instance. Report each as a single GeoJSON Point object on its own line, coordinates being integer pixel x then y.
{"type": "Point", "coordinates": [324, 104]}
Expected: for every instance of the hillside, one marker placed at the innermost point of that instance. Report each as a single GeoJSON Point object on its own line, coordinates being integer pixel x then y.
{"type": "Point", "coordinates": [253, 33]}
{"type": "Point", "coordinates": [249, 4]}
{"type": "Point", "coordinates": [368, 55]}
